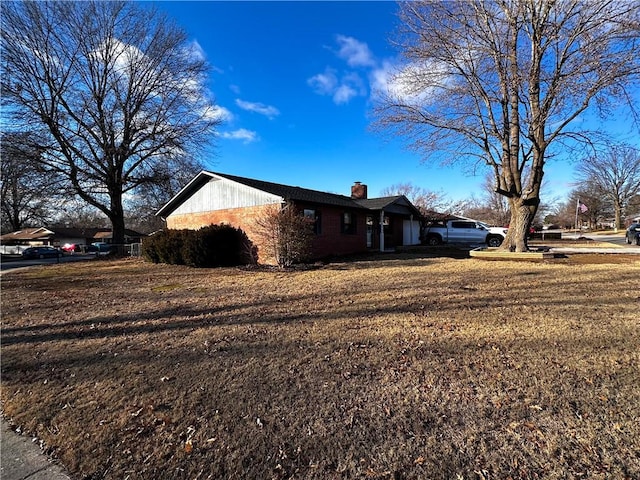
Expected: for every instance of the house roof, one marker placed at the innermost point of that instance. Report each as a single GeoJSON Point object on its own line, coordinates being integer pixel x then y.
{"type": "Point", "coordinates": [287, 192]}
{"type": "Point", "coordinates": [42, 233]}
{"type": "Point", "coordinates": [27, 234]}
{"type": "Point", "coordinates": [71, 232]}
{"type": "Point", "coordinates": [395, 204]}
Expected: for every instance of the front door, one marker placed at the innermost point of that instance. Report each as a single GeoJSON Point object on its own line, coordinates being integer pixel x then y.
{"type": "Point", "coordinates": [369, 231]}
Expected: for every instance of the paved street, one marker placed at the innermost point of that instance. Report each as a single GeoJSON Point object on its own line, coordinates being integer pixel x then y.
{"type": "Point", "coordinates": [19, 263]}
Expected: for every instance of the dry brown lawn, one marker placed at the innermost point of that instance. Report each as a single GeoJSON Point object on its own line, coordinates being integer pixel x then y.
{"type": "Point", "coordinates": [399, 367]}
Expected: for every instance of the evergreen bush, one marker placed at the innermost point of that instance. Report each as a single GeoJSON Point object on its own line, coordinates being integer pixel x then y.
{"type": "Point", "coordinates": [211, 246]}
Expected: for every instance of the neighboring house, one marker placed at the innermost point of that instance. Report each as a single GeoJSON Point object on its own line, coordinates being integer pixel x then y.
{"type": "Point", "coordinates": [343, 225]}
{"type": "Point", "coordinates": [59, 236]}
{"type": "Point", "coordinates": [27, 236]}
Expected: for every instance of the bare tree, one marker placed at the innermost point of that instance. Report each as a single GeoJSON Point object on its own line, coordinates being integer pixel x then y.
{"type": "Point", "coordinates": [425, 200]}
{"type": "Point", "coordinates": [493, 208]}
{"type": "Point", "coordinates": [496, 204]}
{"type": "Point", "coordinates": [502, 81]}
{"type": "Point", "coordinates": [27, 191]}
{"type": "Point", "coordinates": [147, 199]}
{"type": "Point", "coordinates": [633, 208]}
{"type": "Point", "coordinates": [590, 206]}
{"type": "Point", "coordinates": [615, 172]}
{"type": "Point", "coordinates": [74, 213]}
{"type": "Point", "coordinates": [115, 87]}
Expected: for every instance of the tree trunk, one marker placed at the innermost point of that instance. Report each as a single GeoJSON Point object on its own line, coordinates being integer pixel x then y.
{"type": "Point", "coordinates": [521, 219]}
{"type": "Point", "coordinates": [116, 216]}
{"type": "Point", "coordinates": [14, 217]}
{"type": "Point", "coordinates": [117, 226]}
{"type": "Point", "coordinates": [15, 220]}
{"type": "Point", "coordinates": [618, 215]}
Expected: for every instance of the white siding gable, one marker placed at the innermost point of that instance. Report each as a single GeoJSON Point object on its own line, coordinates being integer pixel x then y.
{"type": "Point", "coordinates": [222, 194]}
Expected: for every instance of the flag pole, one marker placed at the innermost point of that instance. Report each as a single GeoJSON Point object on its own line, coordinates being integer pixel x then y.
{"type": "Point", "coordinates": [576, 222]}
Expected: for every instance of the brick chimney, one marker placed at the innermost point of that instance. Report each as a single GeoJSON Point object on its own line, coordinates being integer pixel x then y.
{"type": "Point", "coordinates": [359, 191]}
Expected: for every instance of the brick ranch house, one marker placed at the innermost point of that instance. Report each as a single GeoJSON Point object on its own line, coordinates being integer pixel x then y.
{"type": "Point", "coordinates": [343, 224]}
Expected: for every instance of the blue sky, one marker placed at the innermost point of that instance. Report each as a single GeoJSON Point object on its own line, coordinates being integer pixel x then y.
{"type": "Point", "coordinates": [294, 80]}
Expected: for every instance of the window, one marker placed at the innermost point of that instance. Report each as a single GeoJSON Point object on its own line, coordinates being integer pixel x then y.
{"type": "Point", "coordinates": [463, 224]}
{"type": "Point", "coordinates": [348, 223]}
{"type": "Point", "coordinates": [314, 216]}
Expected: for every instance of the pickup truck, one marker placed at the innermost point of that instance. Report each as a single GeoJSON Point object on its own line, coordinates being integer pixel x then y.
{"type": "Point", "coordinates": [464, 231]}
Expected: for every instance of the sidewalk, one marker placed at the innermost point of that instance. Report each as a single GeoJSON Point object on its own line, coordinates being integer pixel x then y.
{"type": "Point", "coordinates": [21, 458]}
{"type": "Point", "coordinates": [614, 250]}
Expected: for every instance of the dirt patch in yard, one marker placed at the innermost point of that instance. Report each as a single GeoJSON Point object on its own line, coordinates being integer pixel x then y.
{"type": "Point", "coordinates": [401, 367]}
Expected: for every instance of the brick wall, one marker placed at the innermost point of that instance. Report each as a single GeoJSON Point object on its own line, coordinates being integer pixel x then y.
{"type": "Point", "coordinates": [242, 218]}
{"type": "Point", "coordinates": [331, 241]}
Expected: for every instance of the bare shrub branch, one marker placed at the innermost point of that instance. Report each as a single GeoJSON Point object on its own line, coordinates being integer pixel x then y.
{"type": "Point", "coordinates": [286, 233]}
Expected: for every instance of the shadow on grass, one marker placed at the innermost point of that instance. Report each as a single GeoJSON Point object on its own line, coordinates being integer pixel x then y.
{"type": "Point", "coordinates": [451, 297]}
{"type": "Point", "coordinates": [407, 255]}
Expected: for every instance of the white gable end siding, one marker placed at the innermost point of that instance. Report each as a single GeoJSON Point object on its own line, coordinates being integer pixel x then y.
{"type": "Point", "coordinates": [222, 194]}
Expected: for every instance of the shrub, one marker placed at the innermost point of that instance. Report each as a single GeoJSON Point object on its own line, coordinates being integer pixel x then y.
{"type": "Point", "coordinates": [287, 233]}
{"type": "Point", "coordinates": [165, 247]}
{"type": "Point", "coordinates": [212, 246]}
{"type": "Point", "coordinates": [218, 246]}
{"type": "Point", "coordinates": [149, 249]}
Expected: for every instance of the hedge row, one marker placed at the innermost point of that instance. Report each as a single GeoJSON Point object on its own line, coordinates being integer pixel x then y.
{"type": "Point", "coordinates": [212, 246]}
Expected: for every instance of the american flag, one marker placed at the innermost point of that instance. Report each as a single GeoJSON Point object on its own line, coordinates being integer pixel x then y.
{"type": "Point", "coordinates": [583, 208]}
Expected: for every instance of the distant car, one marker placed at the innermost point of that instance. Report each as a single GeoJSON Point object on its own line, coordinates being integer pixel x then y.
{"type": "Point", "coordinates": [71, 247]}
{"type": "Point", "coordinates": [100, 248]}
{"type": "Point", "coordinates": [41, 252]}
{"type": "Point", "coordinates": [633, 234]}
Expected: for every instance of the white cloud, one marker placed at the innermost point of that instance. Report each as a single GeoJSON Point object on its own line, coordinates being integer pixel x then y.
{"type": "Point", "coordinates": [196, 51]}
{"type": "Point", "coordinates": [343, 94]}
{"type": "Point", "coordinates": [324, 83]}
{"type": "Point", "coordinates": [220, 113]}
{"type": "Point", "coordinates": [380, 78]}
{"type": "Point", "coordinates": [261, 108]}
{"type": "Point", "coordinates": [406, 83]}
{"type": "Point", "coordinates": [355, 52]}
{"type": "Point", "coordinates": [121, 55]}
{"type": "Point", "coordinates": [412, 83]}
{"type": "Point", "coordinates": [342, 89]}
{"type": "Point", "coordinates": [247, 136]}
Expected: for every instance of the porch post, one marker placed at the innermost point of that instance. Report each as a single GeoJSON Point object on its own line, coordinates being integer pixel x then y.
{"type": "Point", "coordinates": [382, 231]}
{"type": "Point", "coordinates": [411, 229]}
